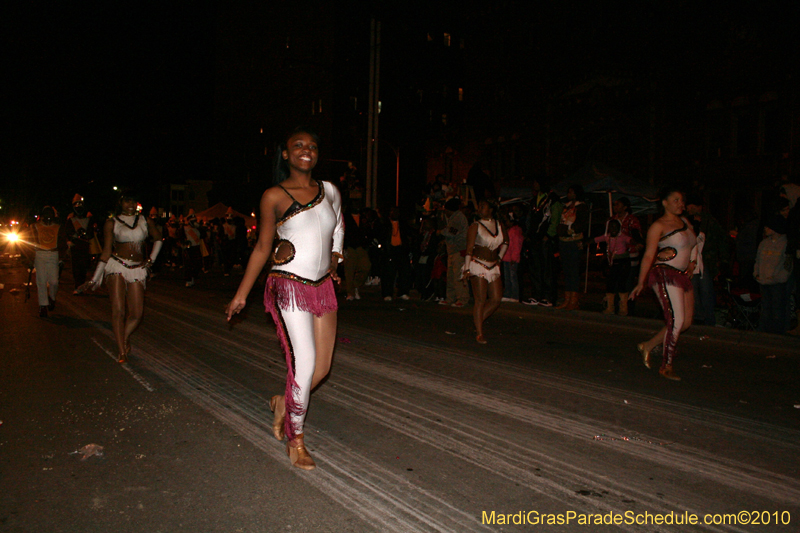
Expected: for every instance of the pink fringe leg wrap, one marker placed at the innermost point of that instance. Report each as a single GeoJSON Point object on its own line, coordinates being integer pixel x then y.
{"type": "Point", "coordinates": [294, 294]}
{"type": "Point", "coordinates": [658, 279]}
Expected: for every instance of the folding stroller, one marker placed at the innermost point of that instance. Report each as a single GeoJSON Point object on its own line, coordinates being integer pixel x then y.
{"type": "Point", "coordinates": [744, 307]}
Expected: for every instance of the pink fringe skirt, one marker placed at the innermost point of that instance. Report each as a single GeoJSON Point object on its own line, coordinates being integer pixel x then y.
{"type": "Point", "coordinates": [661, 274]}
{"type": "Point", "coordinates": [285, 291]}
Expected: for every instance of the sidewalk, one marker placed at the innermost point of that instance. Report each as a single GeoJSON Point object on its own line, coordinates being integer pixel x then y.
{"type": "Point", "coordinates": [646, 317]}
{"type": "Point", "coordinates": [592, 305]}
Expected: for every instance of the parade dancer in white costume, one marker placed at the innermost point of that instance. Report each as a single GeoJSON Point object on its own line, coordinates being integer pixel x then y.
{"type": "Point", "coordinates": [307, 217]}
{"type": "Point", "coordinates": [487, 242]}
{"type": "Point", "coordinates": [669, 260]}
{"type": "Point", "coordinates": [123, 267]}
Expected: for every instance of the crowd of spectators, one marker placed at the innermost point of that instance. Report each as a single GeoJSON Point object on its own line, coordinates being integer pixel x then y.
{"type": "Point", "coordinates": [420, 253]}
{"type": "Point", "coordinates": [423, 250]}
{"type": "Point", "coordinates": [202, 245]}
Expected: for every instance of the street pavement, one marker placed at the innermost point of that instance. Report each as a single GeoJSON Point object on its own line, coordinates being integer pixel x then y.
{"type": "Point", "coordinates": [417, 429]}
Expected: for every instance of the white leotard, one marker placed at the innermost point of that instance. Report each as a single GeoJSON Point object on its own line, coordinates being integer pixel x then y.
{"type": "Point", "coordinates": [314, 231]}
{"type": "Point", "coordinates": [123, 233]}
{"type": "Point", "coordinates": [675, 248]}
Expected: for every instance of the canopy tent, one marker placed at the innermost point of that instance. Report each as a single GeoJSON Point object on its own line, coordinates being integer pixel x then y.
{"type": "Point", "coordinates": [220, 210]}
{"type": "Point", "coordinates": [596, 178]}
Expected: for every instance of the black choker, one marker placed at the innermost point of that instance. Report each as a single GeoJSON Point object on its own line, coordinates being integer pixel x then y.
{"type": "Point", "coordinates": [135, 221]}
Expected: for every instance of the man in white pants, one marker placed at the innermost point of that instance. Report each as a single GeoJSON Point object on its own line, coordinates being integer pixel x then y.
{"type": "Point", "coordinates": [49, 238]}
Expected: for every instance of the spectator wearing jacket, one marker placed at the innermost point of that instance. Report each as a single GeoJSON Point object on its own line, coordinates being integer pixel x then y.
{"type": "Point", "coordinates": [511, 259]}
{"type": "Point", "coordinates": [356, 256]}
{"type": "Point", "coordinates": [540, 242]}
{"type": "Point", "coordinates": [455, 236]}
{"type": "Point", "coordinates": [571, 233]}
{"type": "Point", "coordinates": [714, 253]}
{"type": "Point", "coordinates": [395, 245]}
{"type": "Point", "coordinates": [772, 272]}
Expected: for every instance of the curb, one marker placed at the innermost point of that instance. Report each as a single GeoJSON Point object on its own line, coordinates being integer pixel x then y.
{"type": "Point", "coordinates": [788, 344]}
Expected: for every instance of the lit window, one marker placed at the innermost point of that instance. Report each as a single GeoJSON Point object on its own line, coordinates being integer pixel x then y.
{"type": "Point", "coordinates": [447, 39]}
{"type": "Point", "coordinates": [460, 94]}
{"type": "Point", "coordinates": [444, 119]}
{"type": "Point", "coordinates": [379, 107]}
{"type": "Point", "coordinates": [429, 37]}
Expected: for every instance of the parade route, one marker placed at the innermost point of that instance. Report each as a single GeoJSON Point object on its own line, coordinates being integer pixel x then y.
{"type": "Point", "coordinates": [417, 428]}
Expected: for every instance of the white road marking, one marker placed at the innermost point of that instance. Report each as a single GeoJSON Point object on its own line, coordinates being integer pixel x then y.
{"type": "Point", "coordinates": [138, 377]}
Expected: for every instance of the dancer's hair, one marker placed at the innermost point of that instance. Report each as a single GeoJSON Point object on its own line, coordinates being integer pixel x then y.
{"type": "Point", "coordinates": [125, 194]}
{"type": "Point", "coordinates": [665, 193]}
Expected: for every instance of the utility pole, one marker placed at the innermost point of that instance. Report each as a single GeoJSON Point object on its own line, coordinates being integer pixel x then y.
{"type": "Point", "coordinates": [372, 121]}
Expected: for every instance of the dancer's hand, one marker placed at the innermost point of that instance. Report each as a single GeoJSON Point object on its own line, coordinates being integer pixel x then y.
{"type": "Point", "coordinates": [333, 270]}
{"type": "Point", "coordinates": [236, 305]}
{"type": "Point", "coordinates": [635, 292]}
{"type": "Point", "coordinates": [86, 286]}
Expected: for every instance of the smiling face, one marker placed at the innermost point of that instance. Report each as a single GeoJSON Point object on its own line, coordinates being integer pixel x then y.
{"type": "Point", "coordinates": [673, 203]}
{"type": "Point", "coordinates": [302, 152]}
{"type": "Point", "coordinates": [128, 206]}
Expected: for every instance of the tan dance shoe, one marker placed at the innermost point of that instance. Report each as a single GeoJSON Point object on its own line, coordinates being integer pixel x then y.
{"type": "Point", "coordinates": [668, 373]}
{"type": "Point", "coordinates": [645, 354]}
{"type": "Point", "coordinates": [298, 455]}
{"type": "Point", "coordinates": [280, 416]}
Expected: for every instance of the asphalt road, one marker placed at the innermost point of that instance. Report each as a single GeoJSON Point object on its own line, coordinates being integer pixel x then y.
{"type": "Point", "coordinates": [418, 427]}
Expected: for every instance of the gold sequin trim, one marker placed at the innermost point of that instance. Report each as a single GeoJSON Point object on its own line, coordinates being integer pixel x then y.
{"type": "Point", "coordinates": [287, 259]}
{"type": "Point", "coordinates": [315, 202]}
{"type": "Point", "coordinates": [299, 279]}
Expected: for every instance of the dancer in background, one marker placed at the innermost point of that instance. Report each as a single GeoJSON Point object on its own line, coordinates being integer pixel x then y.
{"type": "Point", "coordinates": [307, 217]}
{"type": "Point", "coordinates": [486, 245]}
{"type": "Point", "coordinates": [123, 267]}
{"type": "Point", "coordinates": [669, 259]}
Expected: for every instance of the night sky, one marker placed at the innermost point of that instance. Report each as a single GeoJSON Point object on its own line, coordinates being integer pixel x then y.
{"type": "Point", "coordinates": [105, 94]}
{"type": "Point", "coordinates": [125, 93]}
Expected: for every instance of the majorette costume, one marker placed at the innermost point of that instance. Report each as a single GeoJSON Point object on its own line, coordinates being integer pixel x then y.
{"type": "Point", "coordinates": [128, 229]}
{"type": "Point", "coordinates": [299, 287]}
{"type": "Point", "coordinates": [668, 279]}
{"type": "Point", "coordinates": [490, 245]}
